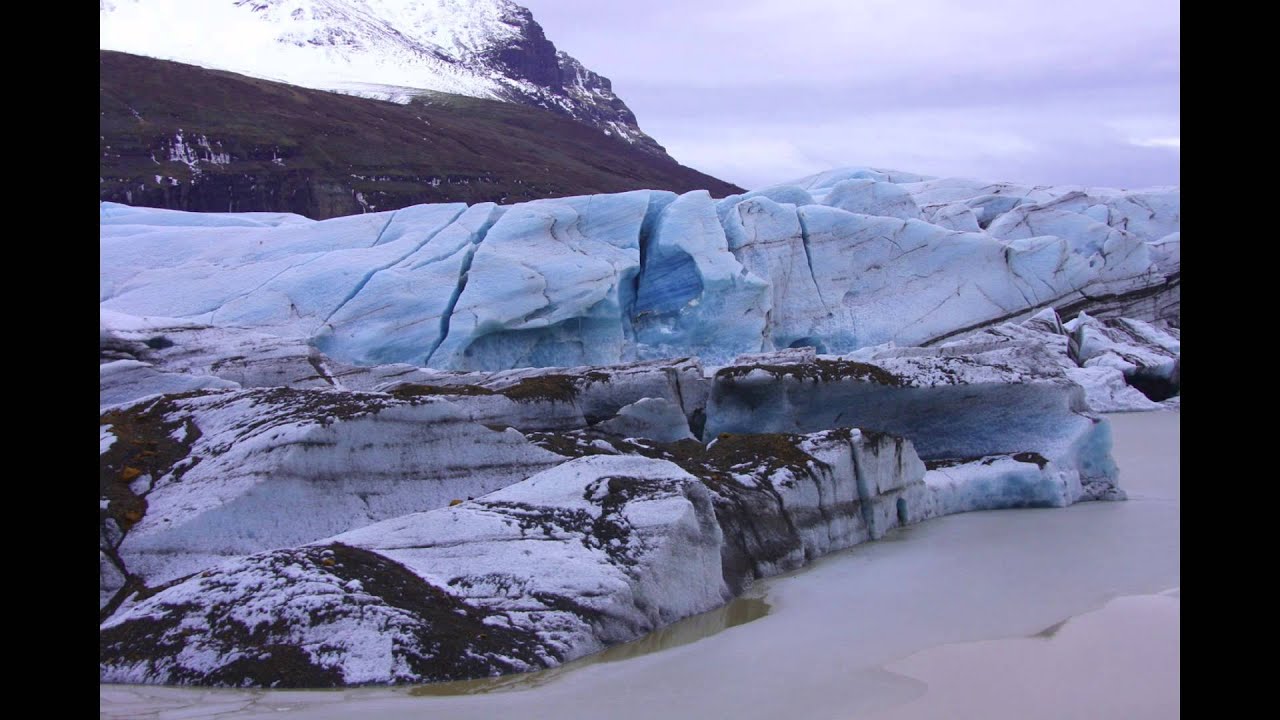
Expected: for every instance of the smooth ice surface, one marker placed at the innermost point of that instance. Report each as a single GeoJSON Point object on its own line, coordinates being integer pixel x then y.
{"type": "Point", "coordinates": [839, 638]}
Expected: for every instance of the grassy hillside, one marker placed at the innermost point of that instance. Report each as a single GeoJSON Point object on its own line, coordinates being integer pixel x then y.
{"type": "Point", "coordinates": [248, 144]}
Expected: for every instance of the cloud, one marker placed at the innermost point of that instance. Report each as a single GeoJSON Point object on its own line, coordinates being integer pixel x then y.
{"type": "Point", "coordinates": [757, 91]}
{"type": "Point", "coordinates": [1174, 143]}
{"type": "Point", "coordinates": [1070, 137]}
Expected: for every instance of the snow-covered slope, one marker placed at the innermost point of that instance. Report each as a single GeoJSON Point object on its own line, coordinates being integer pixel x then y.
{"type": "Point", "coordinates": [387, 49]}
{"type": "Point", "coordinates": [603, 279]}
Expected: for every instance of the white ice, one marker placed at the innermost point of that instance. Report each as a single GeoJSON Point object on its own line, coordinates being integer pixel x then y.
{"type": "Point", "coordinates": [840, 634]}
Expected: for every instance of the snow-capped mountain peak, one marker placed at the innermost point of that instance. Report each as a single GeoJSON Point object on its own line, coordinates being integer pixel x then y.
{"type": "Point", "coordinates": [388, 49]}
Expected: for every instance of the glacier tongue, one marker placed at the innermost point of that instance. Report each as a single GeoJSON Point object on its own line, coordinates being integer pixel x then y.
{"type": "Point", "coordinates": [316, 535]}
{"type": "Point", "coordinates": [450, 441]}
{"type": "Point", "coordinates": [631, 535]}
{"type": "Point", "coordinates": [603, 279]}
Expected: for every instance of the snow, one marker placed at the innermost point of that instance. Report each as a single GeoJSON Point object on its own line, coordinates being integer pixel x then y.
{"type": "Point", "coordinates": [1106, 390]}
{"type": "Point", "coordinates": [592, 552]}
{"type": "Point", "coordinates": [392, 50]}
{"type": "Point", "coordinates": [670, 535]}
{"type": "Point", "coordinates": [111, 213]}
{"type": "Point", "coordinates": [1101, 356]}
{"type": "Point", "coordinates": [528, 552]}
{"type": "Point", "coordinates": [124, 381]}
{"type": "Point", "coordinates": [587, 553]}
{"type": "Point", "coordinates": [607, 279]}
{"type": "Point", "coordinates": [106, 438]}
{"type": "Point", "coordinates": [1127, 345]}
{"type": "Point", "coordinates": [317, 44]}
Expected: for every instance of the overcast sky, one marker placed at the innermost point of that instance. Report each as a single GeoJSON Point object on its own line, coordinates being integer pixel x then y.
{"type": "Point", "coordinates": [763, 91]}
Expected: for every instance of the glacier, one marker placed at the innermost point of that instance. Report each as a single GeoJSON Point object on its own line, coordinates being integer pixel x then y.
{"type": "Point", "coordinates": [415, 525]}
{"type": "Point", "coordinates": [449, 442]}
{"type": "Point", "coordinates": [643, 275]}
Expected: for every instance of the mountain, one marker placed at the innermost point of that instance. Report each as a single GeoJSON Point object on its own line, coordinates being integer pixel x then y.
{"type": "Point", "coordinates": [386, 49]}
{"type": "Point", "coordinates": [183, 137]}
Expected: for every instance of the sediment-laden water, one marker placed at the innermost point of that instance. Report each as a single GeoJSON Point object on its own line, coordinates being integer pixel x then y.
{"type": "Point", "coordinates": [989, 614]}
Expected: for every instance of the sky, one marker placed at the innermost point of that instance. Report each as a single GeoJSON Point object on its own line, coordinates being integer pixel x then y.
{"type": "Point", "coordinates": [758, 92]}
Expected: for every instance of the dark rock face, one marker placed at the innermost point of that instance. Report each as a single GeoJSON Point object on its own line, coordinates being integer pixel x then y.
{"type": "Point", "coordinates": [185, 138]}
{"type": "Point", "coordinates": [565, 85]}
{"type": "Point", "coordinates": [531, 57]}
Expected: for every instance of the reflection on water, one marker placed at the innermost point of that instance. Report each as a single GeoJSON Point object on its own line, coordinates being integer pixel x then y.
{"type": "Point", "coordinates": [739, 611]}
{"type": "Point", "coordinates": [897, 534]}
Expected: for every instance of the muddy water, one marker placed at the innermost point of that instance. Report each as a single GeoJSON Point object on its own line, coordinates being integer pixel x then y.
{"type": "Point", "coordinates": [741, 610]}
{"type": "Point", "coordinates": [888, 629]}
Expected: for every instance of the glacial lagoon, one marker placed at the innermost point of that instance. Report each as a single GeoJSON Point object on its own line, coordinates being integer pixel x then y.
{"type": "Point", "coordinates": [1069, 612]}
